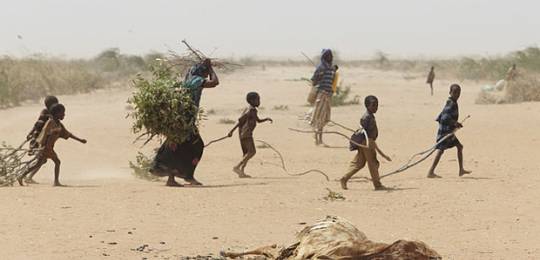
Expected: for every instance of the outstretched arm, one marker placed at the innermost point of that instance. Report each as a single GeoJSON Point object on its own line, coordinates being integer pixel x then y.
{"type": "Point", "coordinates": [77, 138]}
{"type": "Point", "coordinates": [262, 120]}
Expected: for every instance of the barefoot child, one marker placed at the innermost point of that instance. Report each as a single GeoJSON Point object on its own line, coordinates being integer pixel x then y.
{"type": "Point", "coordinates": [52, 130]}
{"type": "Point", "coordinates": [38, 125]}
{"type": "Point", "coordinates": [448, 122]}
{"type": "Point", "coordinates": [367, 155]}
{"type": "Point", "coordinates": [246, 124]}
{"type": "Point", "coordinates": [323, 78]}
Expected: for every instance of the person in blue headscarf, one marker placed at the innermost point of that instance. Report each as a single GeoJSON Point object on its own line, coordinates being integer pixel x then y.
{"type": "Point", "coordinates": [323, 79]}
{"type": "Point", "coordinates": [181, 159]}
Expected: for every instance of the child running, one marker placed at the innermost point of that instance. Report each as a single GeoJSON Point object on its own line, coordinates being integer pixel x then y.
{"type": "Point", "coordinates": [367, 155]}
{"type": "Point", "coordinates": [246, 124]}
{"type": "Point", "coordinates": [38, 125]}
{"type": "Point", "coordinates": [52, 130]}
{"type": "Point", "coordinates": [448, 123]}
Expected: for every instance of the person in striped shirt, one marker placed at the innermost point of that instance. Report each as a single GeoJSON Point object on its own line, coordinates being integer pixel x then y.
{"type": "Point", "coordinates": [323, 79]}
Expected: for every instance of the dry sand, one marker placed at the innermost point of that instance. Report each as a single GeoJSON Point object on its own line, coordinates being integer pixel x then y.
{"type": "Point", "coordinates": [492, 214]}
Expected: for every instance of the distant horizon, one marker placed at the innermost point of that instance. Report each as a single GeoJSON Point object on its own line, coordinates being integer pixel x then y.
{"type": "Point", "coordinates": [276, 29]}
{"type": "Point", "coordinates": [298, 57]}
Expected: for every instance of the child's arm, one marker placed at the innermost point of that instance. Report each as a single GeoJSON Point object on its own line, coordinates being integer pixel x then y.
{"type": "Point", "coordinates": [77, 138]}
{"type": "Point", "coordinates": [232, 130]}
{"type": "Point", "coordinates": [261, 120]}
{"type": "Point", "coordinates": [373, 144]}
{"type": "Point", "coordinates": [264, 120]}
{"type": "Point", "coordinates": [240, 120]}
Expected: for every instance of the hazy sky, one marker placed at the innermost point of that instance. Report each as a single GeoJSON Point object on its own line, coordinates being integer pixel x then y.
{"type": "Point", "coordinates": [270, 28]}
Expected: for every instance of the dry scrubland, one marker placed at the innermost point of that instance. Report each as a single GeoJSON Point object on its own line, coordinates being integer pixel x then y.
{"type": "Point", "coordinates": [31, 78]}
{"type": "Point", "coordinates": [107, 213]}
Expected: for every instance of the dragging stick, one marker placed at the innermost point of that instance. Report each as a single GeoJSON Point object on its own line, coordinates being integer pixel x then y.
{"type": "Point", "coordinates": [285, 168]}
{"type": "Point", "coordinates": [331, 132]}
{"type": "Point", "coordinates": [342, 126]}
{"type": "Point", "coordinates": [427, 153]}
{"type": "Point", "coordinates": [216, 140]}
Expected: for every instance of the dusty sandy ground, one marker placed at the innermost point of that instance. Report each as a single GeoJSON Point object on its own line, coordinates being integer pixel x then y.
{"type": "Point", "coordinates": [105, 212]}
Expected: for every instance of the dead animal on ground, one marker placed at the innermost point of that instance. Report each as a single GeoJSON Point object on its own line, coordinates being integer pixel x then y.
{"type": "Point", "coordinates": [336, 238]}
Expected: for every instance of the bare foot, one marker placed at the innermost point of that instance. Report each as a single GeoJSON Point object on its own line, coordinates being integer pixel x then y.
{"type": "Point", "coordinates": [463, 172]}
{"type": "Point", "coordinates": [343, 184]}
{"type": "Point", "coordinates": [243, 175]}
{"type": "Point", "coordinates": [381, 187]}
{"type": "Point", "coordinates": [193, 182]}
{"type": "Point", "coordinates": [433, 176]}
{"type": "Point", "coordinates": [173, 183]}
{"type": "Point", "coordinates": [238, 171]}
{"type": "Point", "coordinates": [58, 184]}
{"type": "Point", "coordinates": [31, 181]}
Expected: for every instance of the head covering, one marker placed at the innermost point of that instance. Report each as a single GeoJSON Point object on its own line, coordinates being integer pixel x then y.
{"type": "Point", "coordinates": [199, 70]}
{"type": "Point", "coordinates": [324, 54]}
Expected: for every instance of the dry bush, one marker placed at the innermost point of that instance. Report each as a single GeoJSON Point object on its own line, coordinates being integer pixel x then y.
{"type": "Point", "coordinates": [227, 121]}
{"type": "Point", "coordinates": [33, 78]}
{"type": "Point", "coordinates": [141, 168]}
{"type": "Point", "coordinates": [523, 89]}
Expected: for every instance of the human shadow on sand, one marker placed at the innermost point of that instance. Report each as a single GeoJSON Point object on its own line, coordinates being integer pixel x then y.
{"type": "Point", "coordinates": [475, 178]}
{"type": "Point", "coordinates": [223, 185]}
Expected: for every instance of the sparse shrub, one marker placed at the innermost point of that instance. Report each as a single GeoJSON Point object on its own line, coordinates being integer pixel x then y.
{"type": "Point", "coordinates": [281, 108]}
{"type": "Point", "coordinates": [227, 121]}
{"type": "Point", "coordinates": [341, 96]}
{"type": "Point", "coordinates": [141, 168]}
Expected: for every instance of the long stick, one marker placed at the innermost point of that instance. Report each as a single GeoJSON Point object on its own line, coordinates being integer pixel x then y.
{"type": "Point", "coordinates": [309, 59]}
{"type": "Point", "coordinates": [216, 140]}
{"type": "Point", "coordinates": [285, 168]}
{"type": "Point", "coordinates": [429, 152]}
{"type": "Point", "coordinates": [342, 126]}
{"type": "Point", "coordinates": [330, 132]}
{"type": "Point", "coordinates": [197, 53]}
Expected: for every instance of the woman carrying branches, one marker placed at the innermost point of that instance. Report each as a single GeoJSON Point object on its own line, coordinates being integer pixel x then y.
{"type": "Point", "coordinates": [323, 79]}
{"type": "Point", "coordinates": [180, 159]}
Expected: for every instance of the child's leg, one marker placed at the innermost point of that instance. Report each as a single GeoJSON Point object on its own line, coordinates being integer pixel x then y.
{"type": "Point", "coordinates": [31, 170]}
{"type": "Point", "coordinates": [431, 173]}
{"type": "Point", "coordinates": [462, 170]}
{"type": "Point", "coordinates": [431, 86]}
{"type": "Point", "coordinates": [56, 171]}
{"type": "Point", "coordinates": [358, 162]}
{"type": "Point", "coordinates": [246, 159]}
{"type": "Point", "coordinates": [30, 178]}
{"type": "Point", "coordinates": [373, 165]}
{"type": "Point", "coordinates": [248, 149]}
